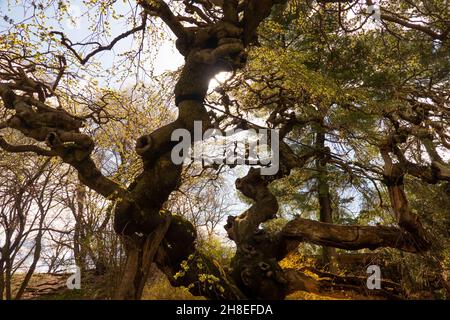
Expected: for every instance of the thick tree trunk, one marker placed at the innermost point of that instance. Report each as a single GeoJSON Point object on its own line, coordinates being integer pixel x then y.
{"type": "Point", "coordinates": [394, 176]}
{"type": "Point", "coordinates": [140, 214]}
{"type": "Point", "coordinates": [215, 48]}
{"type": "Point", "coordinates": [255, 266]}
{"type": "Point", "coordinates": [140, 255]}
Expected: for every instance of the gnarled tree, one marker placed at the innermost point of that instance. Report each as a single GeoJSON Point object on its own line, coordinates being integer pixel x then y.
{"type": "Point", "coordinates": [213, 36]}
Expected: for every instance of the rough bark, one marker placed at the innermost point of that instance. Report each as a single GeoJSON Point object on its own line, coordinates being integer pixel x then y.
{"type": "Point", "coordinates": [255, 266]}
{"type": "Point", "coordinates": [349, 237]}
{"type": "Point", "coordinates": [140, 255]}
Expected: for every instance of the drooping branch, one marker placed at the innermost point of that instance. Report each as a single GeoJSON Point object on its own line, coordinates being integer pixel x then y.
{"type": "Point", "coordinates": [25, 148]}
{"type": "Point", "coordinates": [349, 237]}
{"type": "Point", "coordinates": [433, 173]}
{"type": "Point", "coordinates": [61, 132]}
{"type": "Point", "coordinates": [387, 16]}
{"type": "Point", "coordinates": [414, 26]}
{"type": "Point", "coordinates": [411, 237]}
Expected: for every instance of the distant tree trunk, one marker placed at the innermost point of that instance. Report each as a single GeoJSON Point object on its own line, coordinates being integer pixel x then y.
{"type": "Point", "coordinates": [323, 193]}
{"type": "Point", "coordinates": [32, 268]}
{"type": "Point", "coordinates": [2, 281]}
{"type": "Point", "coordinates": [79, 232]}
{"type": "Point", "coordinates": [8, 279]}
